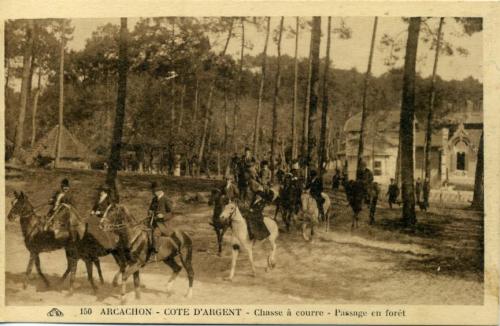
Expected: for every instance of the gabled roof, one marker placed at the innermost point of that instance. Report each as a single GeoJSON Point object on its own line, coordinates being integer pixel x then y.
{"type": "Point", "coordinates": [71, 148]}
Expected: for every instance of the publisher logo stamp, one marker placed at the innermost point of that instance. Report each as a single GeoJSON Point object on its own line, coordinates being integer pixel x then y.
{"type": "Point", "coordinates": [54, 312]}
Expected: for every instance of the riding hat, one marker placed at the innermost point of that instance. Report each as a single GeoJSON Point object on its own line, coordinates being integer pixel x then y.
{"type": "Point", "coordinates": [65, 183]}
{"type": "Point", "coordinates": [155, 186]}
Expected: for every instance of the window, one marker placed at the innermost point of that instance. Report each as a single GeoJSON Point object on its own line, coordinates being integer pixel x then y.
{"type": "Point", "coordinates": [377, 168]}
{"type": "Point", "coordinates": [461, 161]}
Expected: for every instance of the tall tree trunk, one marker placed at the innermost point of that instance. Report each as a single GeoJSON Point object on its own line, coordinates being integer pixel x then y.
{"type": "Point", "coordinates": [275, 101]}
{"type": "Point", "coordinates": [195, 103]}
{"type": "Point", "coordinates": [324, 113]}
{"type": "Point", "coordinates": [432, 95]}
{"type": "Point", "coordinates": [406, 123]}
{"type": "Point", "coordinates": [121, 100]}
{"type": "Point", "coordinates": [239, 87]}
{"type": "Point", "coordinates": [478, 197]}
{"type": "Point", "coordinates": [305, 122]}
{"type": "Point", "coordinates": [35, 108]}
{"type": "Point", "coordinates": [61, 101]}
{"type": "Point", "coordinates": [181, 108]}
{"type": "Point", "coordinates": [295, 90]}
{"type": "Point", "coordinates": [208, 109]}
{"type": "Point", "coordinates": [359, 166]}
{"type": "Point", "coordinates": [18, 141]}
{"type": "Point", "coordinates": [261, 90]}
{"type": "Point", "coordinates": [226, 122]}
{"type": "Point", "coordinates": [313, 102]}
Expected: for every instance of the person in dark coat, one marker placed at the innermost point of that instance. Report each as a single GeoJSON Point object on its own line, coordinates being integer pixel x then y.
{"type": "Point", "coordinates": [367, 178]}
{"type": "Point", "coordinates": [373, 201]}
{"type": "Point", "coordinates": [393, 193]}
{"type": "Point", "coordinates": [336, 180]}
{"type": "Point", "coordinates": [426, 192]}
{"type": "Point", "coordinates": [254, 216]}
{"type": "Point", "coordinates": [62, 196]}
{"type": "Point", "coordinates": [418, 189]}
{"type": "Point", "coordinates": [315, 187]}
{"type": "Point", "coordinates": [160, 212]}
{"type": "Point", "coordinates": [102, 202]}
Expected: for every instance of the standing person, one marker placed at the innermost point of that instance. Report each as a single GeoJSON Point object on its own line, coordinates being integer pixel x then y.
{"type": "Point", "coordinates": [418, 189]}
{"type": "Point", "coordinates": [426, 192]}
{"type": "Point", "coordinates": [62, 196]}
{"type": "Point", "coordinates": [265, 174]}
{"type": "Point", "coordinates": [234, 165]}
{"type": "Point", "coordinates": [367, 178]}
{"type": "Point", "coordinates": [160, 214]}
{"type": "Point", "coordinates": [393, 193]}
{"type": "Point", "coordinates": [195, 169]}
{"type": "Point", "coordinates": [336, 180]}
{"type": "Point", "coordinates": [373, 202]}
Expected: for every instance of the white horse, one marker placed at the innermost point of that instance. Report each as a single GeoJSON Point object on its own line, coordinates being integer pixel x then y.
{"type": "Point", "coordinates": [310, 213]}
{"type": "Point", "coordinates": [240, 237]}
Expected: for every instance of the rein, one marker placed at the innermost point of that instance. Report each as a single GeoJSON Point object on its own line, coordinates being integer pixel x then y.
{"type": "Point", "coordinates": [114, 227]}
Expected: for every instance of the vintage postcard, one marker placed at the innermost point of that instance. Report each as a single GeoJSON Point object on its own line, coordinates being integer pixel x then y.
{"type": "Point", "coordinates": [250, 162]}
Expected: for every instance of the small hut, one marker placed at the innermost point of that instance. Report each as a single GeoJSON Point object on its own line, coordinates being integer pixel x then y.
{"type": "Point", "coordinates": [74, 154]}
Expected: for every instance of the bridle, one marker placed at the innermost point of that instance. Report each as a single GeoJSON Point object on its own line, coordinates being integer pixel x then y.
{"type": "Point", "coordinates": [110, 226]}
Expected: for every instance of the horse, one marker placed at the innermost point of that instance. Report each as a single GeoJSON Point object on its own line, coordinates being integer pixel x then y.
{"type": "Point", "coordinates": [38, 239]}
{"type": "Point", "coordinates": [83, 244]}
{"type": "Point", "coordinates": [136, 240]}
{"type": "Point", "coordinates": [218, 200]}
{"type": "Point", "coordinates": [354, 191]}
{"type": "Point", "coordinates": [231, 215]}
{"type": "Point", "coordinates": [310, 213]}
{"type": "Point", "coordinates": [288, 202]}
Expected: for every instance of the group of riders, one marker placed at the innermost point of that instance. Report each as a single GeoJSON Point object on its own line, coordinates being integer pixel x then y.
{"type": "Point", "coordinates": [250, 185]}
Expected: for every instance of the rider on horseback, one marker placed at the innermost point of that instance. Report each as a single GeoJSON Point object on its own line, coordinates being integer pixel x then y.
{"type": "Point", "coordinates": [62, 196]}
{"type": "Point", "coordinates": [102, 202]}
{"type": "Point", "coordinates": [315, 187]}
{"type": "Point", "coordinates": [160, 213]}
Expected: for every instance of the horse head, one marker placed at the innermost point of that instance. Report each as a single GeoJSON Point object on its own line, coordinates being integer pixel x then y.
{"type": "Point", "coordinates": [228, 212]}
{"type": "Point", "coordinates": [116, 216]}
{"type": "Point", "coordinates": [20, 206]}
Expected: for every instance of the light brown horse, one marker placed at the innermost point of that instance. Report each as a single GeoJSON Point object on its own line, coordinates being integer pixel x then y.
{"type": "Point", "coordinates": [135, 239]}
{"type": "Point", "coordinates": [310, 216]}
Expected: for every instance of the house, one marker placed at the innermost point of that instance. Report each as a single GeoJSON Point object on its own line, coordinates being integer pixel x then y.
{"type": "Point", "coordinates": [74, 154]}
{"type": "Point", "coordinates": [453, 151]}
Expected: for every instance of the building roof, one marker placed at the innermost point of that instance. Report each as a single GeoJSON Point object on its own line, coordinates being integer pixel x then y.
{"type": "Point", "coordinates": [383, 120]}
{"type": "Point", "coordinates": [71, 148]}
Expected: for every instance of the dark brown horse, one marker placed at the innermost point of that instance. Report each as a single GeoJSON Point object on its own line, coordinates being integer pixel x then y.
{"type": "Point", "coordinates": [38, 239]}
{"type": "Point", "coordinates": [218, 200]}
{"type": "Point", "coordinates": [135, 239]}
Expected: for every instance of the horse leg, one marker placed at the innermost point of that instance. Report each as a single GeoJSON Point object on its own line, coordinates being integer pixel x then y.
{"type": "Point", "coordinates": [137, 285]}
{"type": "Point", "coordinates": [39, 270]}
{"type": "Point", "coordinates": [68, 268]}
{"type": "Point", "coordinates": [90, 272]}
{"type": "Point", "coordinates": [220, 234]}
{"type": "Point", "coordinates": [270, 258]}
{"type": "Point", "coordinates": [188, 266]}
{"type": "Point", "coordinates": [249, 249]}
{"type": "Point", "coordinates": [29, 268]}
{"type": "Point", "coordinates": [97, 264]}
{"type": "Point", "coordinates": [74, 264]}
{"type": "Point", "coordinates": [235, 252]}
{"type": "Point", "coordinates": [170, 261]}
{"type": "Point", "coordinates": [121, 266]}
{"type": "Point", "coordinates": [130, 269]}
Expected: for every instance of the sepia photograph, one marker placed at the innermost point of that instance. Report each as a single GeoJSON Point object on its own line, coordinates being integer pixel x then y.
{"type": "Point", "coordinates": [243, 160]}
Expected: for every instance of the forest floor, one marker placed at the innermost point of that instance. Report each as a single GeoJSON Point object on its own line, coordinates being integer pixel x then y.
{"type": "Point", "coordinates": [438, 262]}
